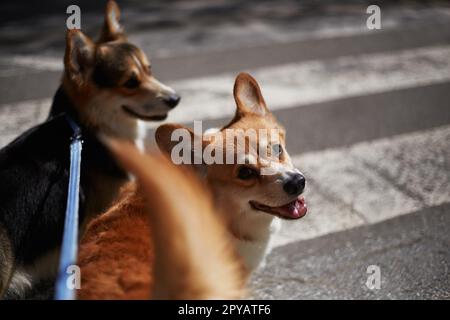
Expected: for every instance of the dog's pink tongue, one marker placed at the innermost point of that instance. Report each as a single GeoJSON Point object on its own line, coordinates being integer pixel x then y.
{"type": "Point", "coordinates": [295, 209]}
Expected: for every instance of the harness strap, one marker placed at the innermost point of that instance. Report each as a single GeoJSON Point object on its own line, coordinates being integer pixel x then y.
{"type": "Point", "coordinates": [68, 272]}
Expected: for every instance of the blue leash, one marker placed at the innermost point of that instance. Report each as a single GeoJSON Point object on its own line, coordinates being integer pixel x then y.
{"type": "Point", "coordinates": [65, 288]}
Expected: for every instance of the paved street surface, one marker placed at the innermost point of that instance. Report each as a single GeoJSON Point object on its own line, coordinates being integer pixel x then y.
{"type": "Point", "coordinates": [367, 115]}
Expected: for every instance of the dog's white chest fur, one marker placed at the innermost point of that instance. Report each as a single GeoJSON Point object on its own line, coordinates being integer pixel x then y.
{"type": "Point", "coordinates": [255, 251]}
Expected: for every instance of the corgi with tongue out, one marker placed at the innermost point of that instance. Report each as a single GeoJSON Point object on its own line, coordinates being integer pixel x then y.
{"type": "Point", "coordinates": [119, 256]}
{"type": "Point", "coordinates": [259, 188]}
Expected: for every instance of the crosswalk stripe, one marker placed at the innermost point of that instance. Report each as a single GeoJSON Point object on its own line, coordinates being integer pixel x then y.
{"type": "Point", "coordinates": [299, 84]}
{"type": "Point", "coordinates": [18, 117]}
{"type": "Point", "coordinates": [371, 182]}
{"type": "Point", "coordinates": [24, 64]}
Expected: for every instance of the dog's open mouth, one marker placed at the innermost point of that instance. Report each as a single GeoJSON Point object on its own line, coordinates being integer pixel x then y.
{"type": "Point", "coordinates": [292, 210]}
{"type": "Point", "coordinates": [134, 114]}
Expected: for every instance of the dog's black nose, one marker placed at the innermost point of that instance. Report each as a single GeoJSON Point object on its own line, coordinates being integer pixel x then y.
{"type": "Point", "coordinates": [295, 184]}
{"type": "Point", "coordinates": [172, 100]}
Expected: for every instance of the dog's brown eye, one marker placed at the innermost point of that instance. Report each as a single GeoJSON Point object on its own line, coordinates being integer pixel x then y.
{"type": "Point", "coordinates": [132, 83]}
{"type": "Point", "coordinates": [246, 173]}
{"type": "Point", "coordinates": [277, 149]}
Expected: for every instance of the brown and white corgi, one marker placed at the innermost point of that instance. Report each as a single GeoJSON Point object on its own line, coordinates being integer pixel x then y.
{"type": "Point", "coordinates": [107, 86]}
{"type": "Point", "coordinates": [254, 196]}
{"type": "Point", "coordinates": [117, 255]}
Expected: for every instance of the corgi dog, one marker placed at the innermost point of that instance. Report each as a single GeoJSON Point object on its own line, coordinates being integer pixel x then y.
{"type": "Point", "coordinates": [117, 253]}
{"type": "Point", "coordinates": [254, 193]}
{"type": "Point", "coordinates": [107, 86]}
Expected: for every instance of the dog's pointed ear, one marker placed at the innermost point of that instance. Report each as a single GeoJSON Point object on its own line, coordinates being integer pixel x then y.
{"type": "Point", "coordinates": [171, 136]}
{"type": "Point", "coordinates": [248, 96]}
{"type": "Point", "coordinates": [112, 30]}
{"type": "Point", "coordinates": [79, 54]}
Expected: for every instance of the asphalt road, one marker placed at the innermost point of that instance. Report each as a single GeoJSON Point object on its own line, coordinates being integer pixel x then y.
{"type": "Point", "coordinates": [367, 115]}
{"type": "Point", "coordinates": [411, 252]}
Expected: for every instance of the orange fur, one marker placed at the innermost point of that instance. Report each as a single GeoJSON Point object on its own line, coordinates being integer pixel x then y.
{"type": "Point", "coordinates": [124, 227]}
{"type": "Point", "coordinates": [193, 259]}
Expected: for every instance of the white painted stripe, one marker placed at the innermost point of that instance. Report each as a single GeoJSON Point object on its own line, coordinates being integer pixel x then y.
{"type": "Point", "coordinates": [16, 118]}
{"type": "Point", "coordinates": [299, 84]}
{"type": "Point", "coordinates": [24, 64]}
{"type": "Point", "coordinates": [371, 182]}
{"type": "Point", "coordinates": [179, 42]}
{"type": "Point", "coordinates": [176, 42]}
